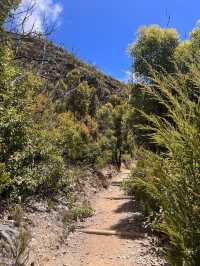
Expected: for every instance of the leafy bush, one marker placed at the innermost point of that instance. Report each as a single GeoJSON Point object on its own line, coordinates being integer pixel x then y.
{"type": "Point", "coordinates": [155, 47]}
{"type": "Point", "coordinates": [47, 128]}
{"type": "Point", "coordinates": [167, 184]}
{"type": "Point", "coordinates": [104, 159]}
{"type": "Point", "coordinates": [29, 158]}
{"type": "Point", "coordinates": [38, 144]}
{"type": "Point", "coordinates": [77, 213]}
{"type": "Point", "coordinates": [82, 213]}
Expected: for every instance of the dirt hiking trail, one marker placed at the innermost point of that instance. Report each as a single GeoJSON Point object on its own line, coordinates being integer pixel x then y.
{"type": "Point", "coordinates": [130, 246]}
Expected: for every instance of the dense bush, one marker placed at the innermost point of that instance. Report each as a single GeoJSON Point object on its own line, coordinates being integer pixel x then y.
{"type": "Point", "coordinates": [167, 184]}
{"type": "Point", "coordinates": [155, 47]}
{"type": "Point", "coordinates": [158, 49]}
{"type": "Point", "coordinates": [41, 137]}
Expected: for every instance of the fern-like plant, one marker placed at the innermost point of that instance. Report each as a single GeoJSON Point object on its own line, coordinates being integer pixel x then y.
{"type": "Point", "coordinates": [168, 183]}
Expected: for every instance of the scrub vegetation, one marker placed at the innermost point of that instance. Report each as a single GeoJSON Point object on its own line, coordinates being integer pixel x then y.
{"type": "Point", "coordinates": [166, 121]}
{"type": "Point", "coordinates": [58, 114]}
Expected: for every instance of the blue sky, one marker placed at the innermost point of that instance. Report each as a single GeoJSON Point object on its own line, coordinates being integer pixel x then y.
{"type": "Point", "coordinates": [99, 31]}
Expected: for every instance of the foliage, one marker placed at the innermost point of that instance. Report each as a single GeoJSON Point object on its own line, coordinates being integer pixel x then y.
{"type": "Point", "coordinates": [22, 254]}
{"type": "Point", "coordinates": [167, 184]}
{"type": "Point", "coordinates": [115, 138]}
{"type": "Point", "coordinates": [78, 99]}
{"type": "Point", "coordinates": [154, 50]}
{"type": "Point", "coordinates": [38, 142]}
{"type": "Point", "coordinates": [195, 37]}
{"type": "Point", "coordinates": [41, 135]}
{"type": "Point", "coordinates": [17, 215]}
{"type": "Point", "coordinates": [160, 50]}
{"type": "Point", "coordinates": [183, 55]}
{"type": "Point", "coordinates": [77, 213]}
{"type": "Point", "coordinates": [154, 47]}
{"type": "Point", "coordinates": [27, 163]}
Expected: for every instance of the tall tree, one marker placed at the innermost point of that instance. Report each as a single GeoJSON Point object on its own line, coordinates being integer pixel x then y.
{"type": "Point", "coordinates": [154, 48]}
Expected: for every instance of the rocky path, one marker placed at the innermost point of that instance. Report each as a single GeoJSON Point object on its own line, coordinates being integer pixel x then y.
{"type": "Point", "coordinates": [119, 215]}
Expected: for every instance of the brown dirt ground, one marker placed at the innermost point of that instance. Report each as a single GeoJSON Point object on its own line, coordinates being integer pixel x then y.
{"type": "Point", "coordinates": [99, 250]}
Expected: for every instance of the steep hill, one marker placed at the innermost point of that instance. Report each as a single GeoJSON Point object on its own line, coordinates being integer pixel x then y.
{"type": "Point", "coordinates": [54, 63]}
{"type": "Point", "coordinates": [59, 133]}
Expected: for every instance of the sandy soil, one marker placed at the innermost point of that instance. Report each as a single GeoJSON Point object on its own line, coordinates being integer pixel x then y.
{"type": "Point", "coordinates": [121, 215]}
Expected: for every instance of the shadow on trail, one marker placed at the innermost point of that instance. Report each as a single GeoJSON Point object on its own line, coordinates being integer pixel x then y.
{"type": "Point", "coordinates": [132, 224]}
{"type": "Point", "coordinates": [127, 206]}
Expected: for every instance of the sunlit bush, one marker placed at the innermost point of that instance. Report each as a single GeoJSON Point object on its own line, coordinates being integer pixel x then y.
{"type": "Point", "coordinates": [168, 184]}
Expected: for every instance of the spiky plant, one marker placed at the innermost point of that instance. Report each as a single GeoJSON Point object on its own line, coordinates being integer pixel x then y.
{"type": "Point", "coordinates": [14, 245]}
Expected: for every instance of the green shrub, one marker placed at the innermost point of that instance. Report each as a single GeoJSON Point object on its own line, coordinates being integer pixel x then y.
{"type": "Point", "coordinates": [77, 213]}
{"type": "Point", "coordinates": [47, 128]}
{"type": "Point", "coordinates": [168, 184]}
{"type": "Point", "coordinates": [31, 160]}
{"type": "Point", "coordinates": [82, 213]}
{"type": "Point", "coordinates": [4, 177]}
{"type": "Point", "coordinates": [104, 159]}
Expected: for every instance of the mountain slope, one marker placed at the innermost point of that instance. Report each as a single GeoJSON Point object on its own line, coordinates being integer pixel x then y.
{"type": "Point", "coordinates": [53, 63]}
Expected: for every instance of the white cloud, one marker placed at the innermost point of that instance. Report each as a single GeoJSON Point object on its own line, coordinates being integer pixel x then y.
{"type": "Point", "coordinates": [43, 13]}
{"type": "Point", "coordinates": [129, 76]}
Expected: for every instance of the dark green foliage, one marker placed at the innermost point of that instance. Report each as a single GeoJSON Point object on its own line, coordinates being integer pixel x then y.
{"type": "Point", "coordinates": [115, 138]}
{"type": "Point", "coordinates": [118, 134]}
{"type": "Point", "coordinates": [79, 100]}
{"type": "Point", "coordinates": [28, 164]}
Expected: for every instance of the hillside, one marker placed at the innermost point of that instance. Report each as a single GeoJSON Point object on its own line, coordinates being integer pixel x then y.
{"type": "Point", "coordinates": [76, 143]}
{"type": "Point", "coordinates": [63, 135]}
{"type": "Point", "coordinates": [54, 63]}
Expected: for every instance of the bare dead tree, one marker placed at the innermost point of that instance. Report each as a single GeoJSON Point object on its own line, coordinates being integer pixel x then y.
{"type": "Point", "coordinates": [43, 57]}
{"type": "Point", "coordinates": [14, 20]}
{"type": "Point", "coordinates": [13, 30]}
